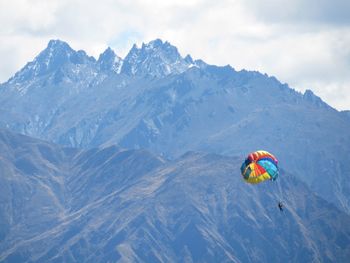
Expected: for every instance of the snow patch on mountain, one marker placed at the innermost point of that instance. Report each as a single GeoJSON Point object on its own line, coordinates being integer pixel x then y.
{"type": "Point", "coordinates": [49, 60]}
{"type": "Point", "coordinates": [109, 61]}
{"type": "Point", "coordinates": [157, 58]}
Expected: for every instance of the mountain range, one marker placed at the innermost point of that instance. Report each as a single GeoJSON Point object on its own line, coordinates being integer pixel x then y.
{"type": "Point", "coordinates": [137, 159]}
{"type": "Point", "coordinates": [158, 100]}
{"type": "Point", "coordinates": [108, 204]}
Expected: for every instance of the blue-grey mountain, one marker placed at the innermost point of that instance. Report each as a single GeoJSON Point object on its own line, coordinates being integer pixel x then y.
{"type": "Point", "coordinates": [156, 99]}
{"type": "Point", "coordinates": [110, 204]}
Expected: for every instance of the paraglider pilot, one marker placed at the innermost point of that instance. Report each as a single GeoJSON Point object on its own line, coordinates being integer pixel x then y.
{"type": "Point", "coordinates": [280, 206]}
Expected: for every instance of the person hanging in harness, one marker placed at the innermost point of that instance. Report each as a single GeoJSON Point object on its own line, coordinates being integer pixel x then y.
{"type": "Point", "coordinates": [280, 206]}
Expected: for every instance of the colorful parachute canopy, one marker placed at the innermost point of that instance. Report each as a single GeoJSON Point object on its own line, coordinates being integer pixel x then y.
{"type": "Point", "coordinates": [259, 166]}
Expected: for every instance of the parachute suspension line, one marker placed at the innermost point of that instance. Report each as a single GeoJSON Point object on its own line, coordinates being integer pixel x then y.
{"type": "Point", "coordinates": [279, 189]}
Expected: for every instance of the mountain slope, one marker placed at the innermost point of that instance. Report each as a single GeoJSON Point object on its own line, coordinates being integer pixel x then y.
{"type": "Point", "coordinates": [154, 99]}
{"type": "Point", "coordinates": [110, 204]}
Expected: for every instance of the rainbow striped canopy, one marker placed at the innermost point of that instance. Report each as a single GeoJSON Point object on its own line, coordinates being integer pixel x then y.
{"type": "Point", "coordinates": [259, 166]}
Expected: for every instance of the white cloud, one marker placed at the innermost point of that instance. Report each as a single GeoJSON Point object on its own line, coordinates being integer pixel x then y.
{"type": "Point", "coordinates": [303, 43]}
{"type": "Point", "coordinates": [301, 12]}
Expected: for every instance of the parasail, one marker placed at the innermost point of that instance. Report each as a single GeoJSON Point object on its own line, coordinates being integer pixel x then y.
{"type": "Point", "coordinates": [259, 166]}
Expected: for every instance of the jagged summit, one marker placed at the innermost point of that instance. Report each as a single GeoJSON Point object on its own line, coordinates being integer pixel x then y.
{"type": "Point", "coordinates": [189, 59]}
{"type": "Point", "coordinates": [57, 54]}
{"type": "Point", "coordinates": [157, 43]}
{"type": "Point", "coordinates": [314, 99]}
{"type": "Point", "coordinates": [57, 43]}
{"type": "Point", "coordinates": [109, 61]}
{"type": "Point", "coordinates": [107, 54]}
{"type": "Point", "coordinates": [156, 58]}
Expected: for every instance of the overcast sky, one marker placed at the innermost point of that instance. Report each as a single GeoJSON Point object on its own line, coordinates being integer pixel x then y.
{"type": "Point", "coordinates": [305, 43]}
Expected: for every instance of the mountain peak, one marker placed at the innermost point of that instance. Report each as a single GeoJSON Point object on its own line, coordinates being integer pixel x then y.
{"type": "Point", "coordinates": [57, 52]}
{"type": "Point", "coordinates": [156, 44]}
{"type": "Point", "coordinates": [314, 99]}
{"type": "Point", "coordinates": [56, 43]}
{"type": "Point", "coordinates": [189, 59]}
{"type": "Point", "coordinates": [109, 61]}
{"type": "Point", "coordinates": [54, 56]}
{"type": "Point", "coordinates": [156, 58]}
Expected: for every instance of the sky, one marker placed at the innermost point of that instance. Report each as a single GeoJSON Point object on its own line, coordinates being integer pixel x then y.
{"type": "Point", "coordinates": [304, 43]}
